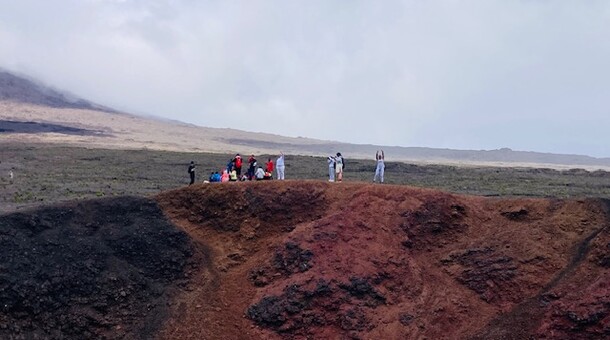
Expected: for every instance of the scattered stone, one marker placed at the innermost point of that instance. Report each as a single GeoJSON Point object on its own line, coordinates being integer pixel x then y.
{"type": "Point", "coordinates": [406, 319]}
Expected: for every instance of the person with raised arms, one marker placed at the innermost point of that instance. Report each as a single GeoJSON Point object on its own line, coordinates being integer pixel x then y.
{"type": "Point", "coordinates": [279, 166]}
{"type": "Point", "coordinates": [379, 157]}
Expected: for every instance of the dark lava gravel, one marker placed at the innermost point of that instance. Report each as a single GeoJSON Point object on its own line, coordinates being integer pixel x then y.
{"type": "Point", "coordinates": [100, 269]}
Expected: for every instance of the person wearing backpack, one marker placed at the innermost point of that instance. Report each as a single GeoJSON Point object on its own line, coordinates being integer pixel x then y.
{"type": "Point", "coordinates": [379, 157]}
{"type": "Point", "coordinates": [238, 162]}
{"type": "Point", "coordinates": [191, 172]}
{"type": "Point", "coordinates": [339, 167]}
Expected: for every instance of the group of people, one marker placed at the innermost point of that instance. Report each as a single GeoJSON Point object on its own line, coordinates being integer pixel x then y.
{"type": "Point", "coordinates": [233, 170]}
{"type": "Point", "coordinates": [336, 164]}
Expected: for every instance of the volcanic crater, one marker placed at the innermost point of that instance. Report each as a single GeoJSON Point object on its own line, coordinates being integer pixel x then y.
{"type": "Point", "coordinates": [307, 260]}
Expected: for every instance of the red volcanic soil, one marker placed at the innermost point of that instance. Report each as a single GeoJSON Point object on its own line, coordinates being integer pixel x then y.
{"type": "Point", "coordinates": [306, 260]}
{"type": "Point", "coordinates": [314, 260]}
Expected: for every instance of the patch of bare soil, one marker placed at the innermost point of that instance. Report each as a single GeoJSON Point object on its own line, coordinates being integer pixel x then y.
{"type": "Point", "coordinates": [315, 260]}
{"type": "Point", "coordinates": [100, 269]}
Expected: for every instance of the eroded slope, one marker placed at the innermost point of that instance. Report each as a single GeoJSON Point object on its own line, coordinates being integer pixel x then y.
{"type": "Point", "coordinates": [320, 260]}
{"type": "Point", "coordinates": [307, 260]}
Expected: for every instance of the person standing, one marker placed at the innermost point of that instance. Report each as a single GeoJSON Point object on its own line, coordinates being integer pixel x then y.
{"type": "Point", "coordinates": [331, 168]}
{"type": "Point", "coordinates": [269, 166]}
{"type": "Point", "coordinates": [238, 162]}
{"type": "Point", "coordinates": [379, 157]}
{"type": "Point", "coordinates": [279, 165]}
{"type": "Point", "coordinates": [192, 172]}
{"type": "Point", "coordinates": [339, 167]}
{"type": "Point", "coordinates": [251, 167]}
{"type": "Point", "coordinates": [230, 165]}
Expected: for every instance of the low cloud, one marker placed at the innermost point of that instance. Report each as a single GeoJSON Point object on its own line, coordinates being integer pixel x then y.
{"type": "Point", "coordinates": [529, 75]}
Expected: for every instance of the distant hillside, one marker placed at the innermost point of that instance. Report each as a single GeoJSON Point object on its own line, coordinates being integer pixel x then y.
{"type": "Point", "coordinates": [27, 101]}
{"type": "Point", "coordinates": [21, 90]}
{"type": "Point", "coordinates": [434, 155]}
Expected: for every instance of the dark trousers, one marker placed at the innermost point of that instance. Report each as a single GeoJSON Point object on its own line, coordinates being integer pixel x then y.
{"type": "Point", "coordinates": [192, 178]}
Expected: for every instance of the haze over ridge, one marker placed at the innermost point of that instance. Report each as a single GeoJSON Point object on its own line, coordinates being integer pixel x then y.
{"type": "Point", "coordinates": [527, 75]}
{"type": "Point", "coordinates": [61, 118]}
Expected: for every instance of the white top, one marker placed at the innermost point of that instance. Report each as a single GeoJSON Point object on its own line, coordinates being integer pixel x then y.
{"type": "Point", "coordinates": [260, 173]}
{"type": "Point", "coordinates": [279, 161]}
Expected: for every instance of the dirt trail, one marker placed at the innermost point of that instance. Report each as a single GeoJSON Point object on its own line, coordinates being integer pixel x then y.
{"type": "Point", "coordinates": [307, 259]}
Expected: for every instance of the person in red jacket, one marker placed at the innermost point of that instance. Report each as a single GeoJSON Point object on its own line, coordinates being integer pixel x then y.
{"type": "Point", "coordinates": [270, 166]}
{"type": "Point", "coordinates": [237, 161]}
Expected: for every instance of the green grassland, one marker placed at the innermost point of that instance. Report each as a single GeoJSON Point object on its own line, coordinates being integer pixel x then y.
{"type": "Point", "coordinates": [47, 174]}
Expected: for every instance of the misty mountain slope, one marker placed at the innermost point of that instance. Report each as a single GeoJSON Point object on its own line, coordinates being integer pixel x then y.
{"type": "Point", "coordinates": [21, 90]}
{"type": "Point", "coordinates": [23, 100]}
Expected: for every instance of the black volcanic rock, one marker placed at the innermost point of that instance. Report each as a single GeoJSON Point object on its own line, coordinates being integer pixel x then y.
{"type": "Point", "coordinates": [96, 269]}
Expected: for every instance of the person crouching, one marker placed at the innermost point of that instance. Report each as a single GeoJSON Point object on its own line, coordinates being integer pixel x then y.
{"type": "Point", "coordinates": [260, 173]}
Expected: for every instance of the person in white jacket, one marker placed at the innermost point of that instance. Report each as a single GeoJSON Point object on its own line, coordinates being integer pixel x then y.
{"type": "Point", "coordinates": [379, 157]}
{"type": "Point", "coordinates": [331, 168]}
{"type": "Point", "coordinates": [279, 166]}
{"type": "Point", "coordinates": [259, 174]}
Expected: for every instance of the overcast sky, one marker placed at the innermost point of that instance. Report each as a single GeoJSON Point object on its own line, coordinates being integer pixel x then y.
{"type": "Point", "coordinates": [529, 75]}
